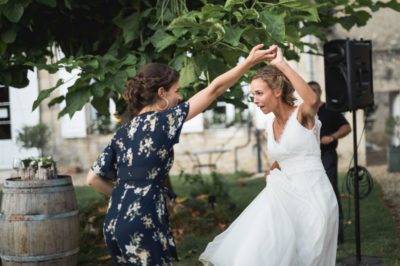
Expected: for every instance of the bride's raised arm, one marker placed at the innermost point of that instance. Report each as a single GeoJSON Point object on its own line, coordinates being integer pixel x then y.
{"type": "Point", "coordinates": [311, 101]}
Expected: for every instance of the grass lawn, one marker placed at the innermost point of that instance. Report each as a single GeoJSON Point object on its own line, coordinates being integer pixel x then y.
{"type": "Point", "coordinates": [378, 235]}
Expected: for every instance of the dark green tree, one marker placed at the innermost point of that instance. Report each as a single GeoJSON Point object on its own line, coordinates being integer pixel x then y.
{"type": "Point", "coordinates": [109, 39]}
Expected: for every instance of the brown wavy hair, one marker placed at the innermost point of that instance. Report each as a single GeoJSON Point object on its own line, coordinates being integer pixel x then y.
{"type": "Point", "coordinates": [142, 90]}
{"type": "Point", "coordinates": [276, 80]}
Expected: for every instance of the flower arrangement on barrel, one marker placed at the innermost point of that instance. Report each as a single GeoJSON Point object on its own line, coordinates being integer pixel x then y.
{"type": "Point", "coordinates": [41, 168]}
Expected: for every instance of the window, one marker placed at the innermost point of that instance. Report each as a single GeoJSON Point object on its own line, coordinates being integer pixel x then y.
{"type": "Point", "coordinates": [5, 117]}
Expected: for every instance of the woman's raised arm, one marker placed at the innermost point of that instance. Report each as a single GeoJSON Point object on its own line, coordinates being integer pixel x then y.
{"type": "Point", "coordinates": [201, 100]}
{"type": "Point", "coordinates": [311, 100]}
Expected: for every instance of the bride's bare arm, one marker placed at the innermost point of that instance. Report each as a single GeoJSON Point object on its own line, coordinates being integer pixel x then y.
{"type": "Point", "coordinates": [309, 108]}
{"type": "Point", "coordinates": [275, 165]}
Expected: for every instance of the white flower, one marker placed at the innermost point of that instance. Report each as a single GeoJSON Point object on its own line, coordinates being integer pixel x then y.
{"type": "Point", "coordinates": [132, 128]}
{"type": "Point", "coordinates": [121, 259]}
{"type": "Point", "coordinates": [153, 123]}
{"type": "Point", "coordinates": [120, 144]}
{"type": "Point", "coordinates": [129, 156]}
{"type": "Point", "coordinates": [146, 190]}
{"type": "Point", "coordinates": [143, 256]}
{"type": "Point", "coordinates": [153, 173]}
{"type": "Point", "coordinates": [162, 153]}
{"type": "Point", "coordinates": [172, 131]}
{"type": "Point", "coordinates": [147, 221]}
{"type": "Point", "coordinates": [132, 260]}
{"type": "Point", "coordinates": [131, 249]}
{"type": "Point", "coordinates": [148, 142]}
{"type": "Point", "coordinates": [136, 206]}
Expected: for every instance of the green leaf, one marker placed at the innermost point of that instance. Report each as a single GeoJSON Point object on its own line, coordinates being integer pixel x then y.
{"type": "Point", "coordinates": [68, 4]}
{"type": "Point", "coordinates": [93, 64]}
{"type": "Point", "coordinates": [120, 79]}
{"type": "Point", "coordinates": [201, 60]}
{"type": "Point", "coordinates": [56, 100]}
{"type": "Point", "coordinates": [230, 3]}
{"type": "Point", "coordinates": [216, 67]}
{"type": "Point", "coordinates": [347, 22]}
{"type": "Point", "coordinates": [49, 3]}
{"type": "Point", "coordinates": [131, 72]}
{"type": "Point", "coordinates": [362, 17]}
{"type": "Point", "coordinates": [129, 26]}
{"type": "Point", "coordinates": [3, 48]}
{"type": "Point", "coordinates": [177, 61]}
{"type": "Point", "coordinates": [97, 89]}
{"type": "Point", "coordinates": [231, 56]}
{"type": "Point", "coordinates": [216, 28]}
{"type": "Point", "coordinates": [275, 24]}
{"type": "Point", "coordinates": [179, 32]}
{"type": "Point", "coordinates": [75, 100]}
{"type": "Point", "coordinates": [232, 35]}
{"type": "Point", "coordinates": [5, 78]}
{"type": "Point", "coordinates": [212, 11]}
{"type": "Point", "coordinates": [250, 14]}
{"type": "Point", "coordinates": [10, 34]}
{"type": "Point", "coordinates": [129, 60]}
{"type": "Point", "coordinates": [183, 22]}
{"type": "Point", "coordinates": [255, 36]}
{"type": "Point", "coordinates": [13, 11]}
{"type": "Point", "coordinates": [162, 40]}
{"type": "Point", "coordinates": [189, 73]}
{"type": "Point", "coordinates": [45, 94]}
{"type": "Point", "coordinates": [53, 68]}
{"type": "Point", "coordinates": [19, 77]}
{"type": "Point", "coordinates": [303, 5]}
{"type": "Point", "coordinates": [101, 105]}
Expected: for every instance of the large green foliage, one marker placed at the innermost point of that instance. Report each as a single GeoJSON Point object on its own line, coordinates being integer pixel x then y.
{"type": "Point", "coordinates": [109, 39]}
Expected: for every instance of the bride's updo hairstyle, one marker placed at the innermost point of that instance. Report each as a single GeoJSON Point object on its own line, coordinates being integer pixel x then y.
{"type": "Point", "coordinates": [276, 80]}
{"type": "Point", "coordinates": [142, 90]}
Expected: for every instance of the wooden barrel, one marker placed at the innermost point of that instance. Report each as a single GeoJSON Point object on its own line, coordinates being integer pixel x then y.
{"type": "Point", "coordinates": [39, 222]}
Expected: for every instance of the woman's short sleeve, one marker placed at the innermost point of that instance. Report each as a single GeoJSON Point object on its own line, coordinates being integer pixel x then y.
{"type": "Point", "coordinates": [173, 120]}
{"type": "Point", "coordinates": [105, 165]}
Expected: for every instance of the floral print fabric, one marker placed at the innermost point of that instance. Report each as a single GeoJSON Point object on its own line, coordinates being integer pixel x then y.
{"type": "Point", "coordinates": [140, 155]}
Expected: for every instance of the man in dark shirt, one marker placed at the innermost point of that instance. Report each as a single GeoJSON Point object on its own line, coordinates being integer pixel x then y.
{"type": "Point", "coordinates": [334, 127]}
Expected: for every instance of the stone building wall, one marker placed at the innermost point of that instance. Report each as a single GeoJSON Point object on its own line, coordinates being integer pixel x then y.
{"type": "Point", "coordinates": [382, 30]}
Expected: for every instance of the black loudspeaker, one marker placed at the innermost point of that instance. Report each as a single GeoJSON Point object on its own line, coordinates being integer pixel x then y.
{"type": "Point", "coordinates": [348, 75]}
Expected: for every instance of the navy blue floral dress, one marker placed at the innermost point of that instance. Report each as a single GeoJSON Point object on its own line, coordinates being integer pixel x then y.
{"type": "Point", "coordinates": [139, 157]}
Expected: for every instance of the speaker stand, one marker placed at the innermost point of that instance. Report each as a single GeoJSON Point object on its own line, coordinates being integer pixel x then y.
{"type": "Point", "coordinates": [357, 259]}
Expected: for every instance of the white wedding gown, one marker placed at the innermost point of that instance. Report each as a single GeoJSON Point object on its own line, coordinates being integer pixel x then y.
{"type": "Point", "coordinates": [294, 219]}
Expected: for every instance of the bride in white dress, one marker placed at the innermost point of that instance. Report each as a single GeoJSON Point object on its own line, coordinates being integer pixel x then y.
{"type": "Point", "coordinates": [293, 221]}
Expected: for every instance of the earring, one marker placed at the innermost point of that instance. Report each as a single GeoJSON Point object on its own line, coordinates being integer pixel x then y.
{"type": "Point", "coordinates": [165, 107]}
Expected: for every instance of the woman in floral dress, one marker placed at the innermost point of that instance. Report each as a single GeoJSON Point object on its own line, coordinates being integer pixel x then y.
{"type": "Point", "coordinates": [140, 154]}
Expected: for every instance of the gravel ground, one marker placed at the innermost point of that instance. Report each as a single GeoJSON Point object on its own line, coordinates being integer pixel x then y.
{"type": "Point", "coordinates": [390, 184]}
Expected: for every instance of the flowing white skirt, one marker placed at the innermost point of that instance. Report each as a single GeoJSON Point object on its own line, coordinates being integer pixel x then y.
{"type": "Point", "coordinates": [293, 221]}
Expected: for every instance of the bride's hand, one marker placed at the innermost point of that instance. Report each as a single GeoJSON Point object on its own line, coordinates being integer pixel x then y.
{"type": "Point", "coordinates": [257, 55]}
{"type": "Point", "coordinates": [266, 175]}
{"type": "Point", "coordinates": [278, 58]}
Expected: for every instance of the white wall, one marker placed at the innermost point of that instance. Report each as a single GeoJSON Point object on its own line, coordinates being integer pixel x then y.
{"type": "Point", "coordinates": [21, 101]}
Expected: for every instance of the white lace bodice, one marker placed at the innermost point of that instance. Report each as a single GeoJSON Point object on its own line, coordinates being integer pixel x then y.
{"type": "Point", "coordinates": [297, 145]}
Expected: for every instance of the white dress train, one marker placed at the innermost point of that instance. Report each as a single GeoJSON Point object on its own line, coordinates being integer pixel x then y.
{"type": "Point", "coordinates": [294, 219]}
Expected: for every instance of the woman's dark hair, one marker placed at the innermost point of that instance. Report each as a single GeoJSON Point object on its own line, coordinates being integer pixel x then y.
{"type": "Point", "coordinates": [276, 80]}
{"type": "Point", "coordinates": [142, 90]}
